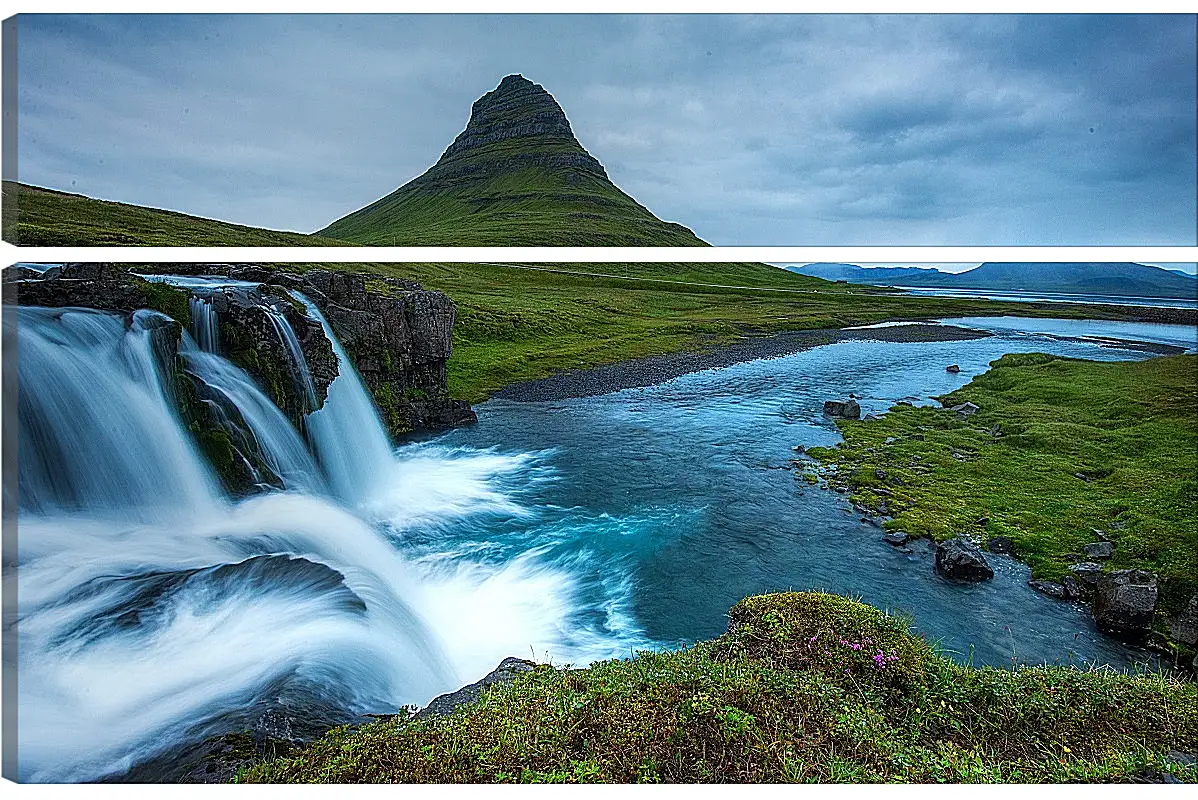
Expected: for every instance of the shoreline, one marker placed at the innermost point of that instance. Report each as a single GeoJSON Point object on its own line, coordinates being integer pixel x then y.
{"type": "Point", "coordinates": [651, 370]}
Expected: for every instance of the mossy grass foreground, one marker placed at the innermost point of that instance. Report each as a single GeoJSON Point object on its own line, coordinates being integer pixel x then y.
{"type": "Point", "coordinates": [1059, 450]}
{"type": "Point", "coordinates": [803, 687]}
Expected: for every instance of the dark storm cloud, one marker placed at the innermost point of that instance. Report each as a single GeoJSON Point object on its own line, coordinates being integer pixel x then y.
{"type": "Point", "coordinates": [750, 129]}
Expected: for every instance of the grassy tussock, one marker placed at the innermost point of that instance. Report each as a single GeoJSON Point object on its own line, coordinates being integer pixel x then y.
{"type": "Point", "coordinates": [758, 705]}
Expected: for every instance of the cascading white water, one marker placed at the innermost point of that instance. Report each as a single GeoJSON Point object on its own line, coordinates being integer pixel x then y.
{"type": "Point", "coordinates": [351, 442]}
{"type": "Point", "coordinates": [97, 432]}
{"type": "Point", "coordinates": [280, 445]}
{"type": "Point", "coordinates": [205, 324]}
{"type": "Point", "coordinates": [300, 364]}
{"type": "Point", "coordinates": [152, 606]}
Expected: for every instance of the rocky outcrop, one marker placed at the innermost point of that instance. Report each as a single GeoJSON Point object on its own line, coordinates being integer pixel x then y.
{"type": "Point", "coordinates": [517, 110]}
{"type": "Point", "coordinates": [960, 559]}
{"type": "Point", "coordinates": [507, 671]}
{"type": "Point", "coordinates": [1124, 601]}
{"type": "Point", "coordinates": [107, 287]}
{"type": "Point", "coordinates": [399, 337]}
{"type": "Point", "coordinates": [1183, 626]}
{"type": "Point", "coordinates": [842, 409]}
{"type": "Point", "coordinates": [254, 337]}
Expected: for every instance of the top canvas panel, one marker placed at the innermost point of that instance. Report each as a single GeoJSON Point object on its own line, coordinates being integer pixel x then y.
{"type": "Point", "coordinates": [601, 130]}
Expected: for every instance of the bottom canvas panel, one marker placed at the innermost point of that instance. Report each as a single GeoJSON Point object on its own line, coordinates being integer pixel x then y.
{"type": "Point", "coordinates": [583, 522]}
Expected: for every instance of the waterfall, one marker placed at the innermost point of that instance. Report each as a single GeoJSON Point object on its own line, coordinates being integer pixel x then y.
{"type": "Point", "coordinates": [138, 576]}
{"type": "Point", "coordinates": [205, 325]}
{"type": "Point", "coordinates": [155, 611]}
{"type": "Point", "coordinates": [280, 446]}
{"type": "Point", "coordinates": [97, 431]}
{"type": "Point", "coordinates": [350, 440]}
{"type": "Point", "coordinates": [299, 363]}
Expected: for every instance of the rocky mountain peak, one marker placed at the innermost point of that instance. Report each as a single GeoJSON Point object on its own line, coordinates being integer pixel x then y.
{"type": "Point", "coordinates": [517, 109]}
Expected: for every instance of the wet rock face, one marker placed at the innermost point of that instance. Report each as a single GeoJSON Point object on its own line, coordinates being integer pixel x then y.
{"type": "Point", "coordinates": [960, 559]}
{"type": "Point", "coordinates": [846, 409]}
{"type": "Point", "coordinates": [399, 338]}
{"type": "Point", "coordinates": [251, 339]}
{"type": "Point", "coordinates": [1124, 601]}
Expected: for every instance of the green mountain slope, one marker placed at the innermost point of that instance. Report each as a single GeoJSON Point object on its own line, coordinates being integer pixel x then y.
{"type": "Point", "coordinates": [515, 176]}
{"type": "Point", "coordinates": [37, 217]}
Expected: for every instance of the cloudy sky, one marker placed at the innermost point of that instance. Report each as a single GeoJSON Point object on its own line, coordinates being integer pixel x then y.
{"type": "Point", "coordinates": [752, 130]}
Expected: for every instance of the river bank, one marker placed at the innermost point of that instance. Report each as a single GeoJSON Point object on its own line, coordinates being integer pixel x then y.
{"type": "Point", "coordinates": [650, 370]}
{"type": "Point", "coordinates": [1080, 469]}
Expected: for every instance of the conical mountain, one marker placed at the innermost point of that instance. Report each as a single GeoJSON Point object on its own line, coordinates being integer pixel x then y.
{"type": "Point", "coordinates": [515, 176]}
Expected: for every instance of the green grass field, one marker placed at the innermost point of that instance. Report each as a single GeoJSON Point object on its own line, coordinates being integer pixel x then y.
{"type": "Point", "coordinates": [528, 207]}
{"type": "Point", "coordinates": [36, 217]}
{"type": "Point", "coordinates": [519, 323]}
{"type": "Point", "coordinates": [805, 687]}
{"type": "Point", "coordinates": [1130, 429]}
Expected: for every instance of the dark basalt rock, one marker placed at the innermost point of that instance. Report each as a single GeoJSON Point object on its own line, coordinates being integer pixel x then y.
{"type": "Point", "coordinates": [953, 368]}
{"type": "Point", "coordinates": [1099, 550]}
{"type": "Point", "coordinates": [1124, 601]}
{"type": "Point", "coordinates": [960, 559]}
{"type": "Point", "coordinates": [399, 337]}
{"type": "Point", "coordinates": [251, 339]}
{"type": "Point", "coordinates": [507, 671]}
{"type": "Point", "coordinates": [999, 544]}
{"type": "Point", "coordinates": [842, 409]}
{"type": "Point", "coordinates": [1086, 572]}
{"type": "Point", "coordinates": [106, 287]}
{"type": "Point", "coordinates": [896, 538]}
{"type": "Point", "coordinates": [1183, 626]}
{"type": "Point", "coordinates": [1050, 588]}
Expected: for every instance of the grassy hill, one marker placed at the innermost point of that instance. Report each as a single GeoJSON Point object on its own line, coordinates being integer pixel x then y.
{"type": "Point", "coordinates": [37, 217]}
{"type": "Point", "coordinates": [515, 176]}
{"type": "Point", "coordinates": [804, 687]}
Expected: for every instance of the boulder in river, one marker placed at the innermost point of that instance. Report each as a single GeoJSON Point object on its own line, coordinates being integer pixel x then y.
{"type": "Point", "coordinates": [1050, 588]}
{"type": "Point", "coordinates": [842, 409]}
{"type": "Point", "coordinates": [1101, 550]}
{"type": "Point", "coordinates": [1124, 601]}
{"type": "Point", "coordinates": [960, 559]}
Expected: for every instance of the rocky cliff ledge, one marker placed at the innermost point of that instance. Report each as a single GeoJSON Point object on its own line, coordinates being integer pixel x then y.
{"type": "Point", "coordinates": [398, 335]}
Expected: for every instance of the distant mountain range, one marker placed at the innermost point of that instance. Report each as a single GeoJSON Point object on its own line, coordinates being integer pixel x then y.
{"type": "Point", "coordinates": [515, 176]}
{"type": "Point", "coordinates": [1137, 280]}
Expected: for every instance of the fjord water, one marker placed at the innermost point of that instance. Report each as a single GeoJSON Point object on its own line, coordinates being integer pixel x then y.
{"type": "Point", "coordinates": [155, 610]}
